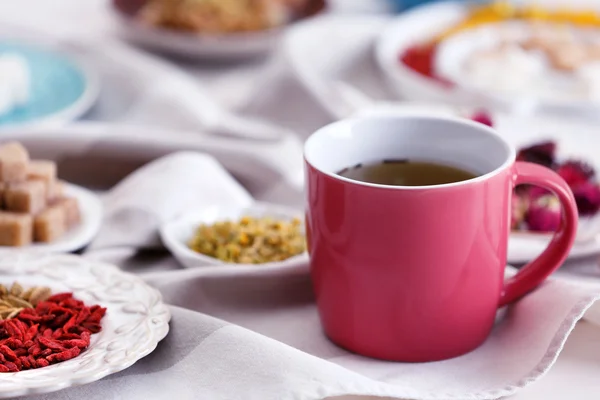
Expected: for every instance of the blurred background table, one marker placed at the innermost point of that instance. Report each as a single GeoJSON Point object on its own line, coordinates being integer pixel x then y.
{"type": "Point", "coordinates": [575, 375]}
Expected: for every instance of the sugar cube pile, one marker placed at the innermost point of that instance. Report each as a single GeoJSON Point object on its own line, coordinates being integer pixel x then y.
{"type": "Point", "coordinates": [33, 206]}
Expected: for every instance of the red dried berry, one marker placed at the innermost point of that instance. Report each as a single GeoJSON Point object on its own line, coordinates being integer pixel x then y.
{"type": "Point", "coordinates": [64, 355]}
{"type": "Point", "coordinates": [42, 362]}
{"type": "Point", "coordinates": [82, 316]}
{"type": "Point", "coordinates": [93, 327]}
{"type": "Point", "coordinates": [57, 298]}
{"type": "Point", "coordinates": [11, 329]}
{"type": "Point", "coordinates": [31, 361]}
{"type": "Point", "coordinates": [46, 353]}
{"type": "Point", "coordinates": [56, 330]}
{"type": "Point", "coordinates": [51, 344]}
{"type": "Point", "coordinates": [42, 307]}
{"type": "Point", "coordinates": [13, 343]}
{"type": "Point", "coordinates": [8, 353]}
{"type": "Point", "coordinates": [21, 351]}
{"type": "Point", "coordinates": [35, 350]}
{"type": "Point", "coordinates": [68, 336]}
{"type": "Point", "coordinates": [25, 362]}
{"type": "Point", "coordinates": [31, 332]}
{"type": "Point", "coordinates": [97, 315]}
{"type": "Point", "coordinates": [12, 367]}
{"type": "Point", "coordinates": [75, 343]}
{"type": "Point", "coordinates": [60, 320]}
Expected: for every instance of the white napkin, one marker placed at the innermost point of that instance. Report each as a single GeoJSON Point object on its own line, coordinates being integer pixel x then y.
{"type": "Point", "coordinates": [160, 191]}
{"type": "Point", "coordinates": [276, 349]}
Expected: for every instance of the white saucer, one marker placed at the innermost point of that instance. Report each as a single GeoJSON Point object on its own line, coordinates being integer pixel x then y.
{"type": "Point", "coordinates": [91, 217]}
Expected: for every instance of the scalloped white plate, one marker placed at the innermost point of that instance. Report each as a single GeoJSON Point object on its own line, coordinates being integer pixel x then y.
{"type": "Point", "coordinates": [90, 207]}
{"type": "Point", "coordinates": [136, 318]}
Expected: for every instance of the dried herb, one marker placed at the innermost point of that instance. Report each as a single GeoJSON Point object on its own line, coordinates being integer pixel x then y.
{"type": "Point", "coordinates": [250, 241]}
{"type": "Point", "coordinates": [15, 299]}
{"type": "Point", "coordinates": [57, 329]}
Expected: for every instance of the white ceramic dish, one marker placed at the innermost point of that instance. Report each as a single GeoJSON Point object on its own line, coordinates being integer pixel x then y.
{"type": "Point", "coordinates": [78, 237]}
{"type": "Point", "coordinates": [411, 28]}
{"type": "Point", "coordinates": [177, 233]}
{"type": "Point", "coordinates": [452, 55]}
{"type": "Point", "coordinates": [424, 23]}
{"type": "Point", "coordinates": [135, 321]}
{"type": "Point", "coordinates": [218, 47]}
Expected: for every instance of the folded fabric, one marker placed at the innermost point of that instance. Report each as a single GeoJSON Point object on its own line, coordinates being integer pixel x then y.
{"type": "Point", "coordinates": [272, 345]}
{"type": "Point", "coordinates": [159, 191]}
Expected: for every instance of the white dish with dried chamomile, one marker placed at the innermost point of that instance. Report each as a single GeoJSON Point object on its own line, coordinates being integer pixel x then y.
{"type": "Point", "coordinates": [262, 235]}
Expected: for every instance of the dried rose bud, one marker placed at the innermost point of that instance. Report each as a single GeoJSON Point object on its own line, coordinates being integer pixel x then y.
{"type": "Point", "coordinates": [575, 172]}
{"type": "Point", "coordinates": [535, 192]}
{"type": "Point", "coordinates": [519, 209]}
{"type": "Point", "coordinates": [544, 214]}
{"type": "Point", "coordinates": [587, 197]}
{"type": "Point", "coordinates": [483, 118]}
{"type": "Point", "coordinates": [542, 153]}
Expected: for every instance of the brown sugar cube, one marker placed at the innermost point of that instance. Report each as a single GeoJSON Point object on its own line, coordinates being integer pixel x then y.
{"type": "Point", "coordinates": [50, 224]}
{"type": "Point", "coordinates": [41, 169]}
{"type": "Point", "coordinates": [28, 197]}
{"type": "Point", "coordinates": [71, 207]}
{"type": "Point", "coordinates": [55, 190]}
{"type": "Point", "coordinates": [15, 229]}
{"type": "Point", "coordinates": [13, 162]}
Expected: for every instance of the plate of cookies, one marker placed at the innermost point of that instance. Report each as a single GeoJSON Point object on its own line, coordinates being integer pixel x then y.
{"type": "Point", "coordinates": [40, 211]}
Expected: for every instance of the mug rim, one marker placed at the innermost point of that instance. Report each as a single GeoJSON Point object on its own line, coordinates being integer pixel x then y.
{"type": "Point", "coordinates": [484, 129]}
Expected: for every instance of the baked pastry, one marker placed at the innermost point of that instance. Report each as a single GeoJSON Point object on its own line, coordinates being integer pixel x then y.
{"type": "Point", "coordinates": [217, 16]}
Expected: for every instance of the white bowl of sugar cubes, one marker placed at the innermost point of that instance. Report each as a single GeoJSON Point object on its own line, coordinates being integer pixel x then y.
{"type": "Point", "coordinates": [40, 211]}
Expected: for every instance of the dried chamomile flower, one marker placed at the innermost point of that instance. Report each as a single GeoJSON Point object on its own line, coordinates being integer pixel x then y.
{"type": "Point", "coordinates": [250, 240]}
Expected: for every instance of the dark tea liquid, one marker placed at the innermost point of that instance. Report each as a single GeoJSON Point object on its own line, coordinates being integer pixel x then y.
{"type": "Point", "coordinates": [406, 173]}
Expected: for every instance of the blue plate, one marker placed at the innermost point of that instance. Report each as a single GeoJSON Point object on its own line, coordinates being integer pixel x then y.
{"type": "Point", "coordinates": [60, 91]}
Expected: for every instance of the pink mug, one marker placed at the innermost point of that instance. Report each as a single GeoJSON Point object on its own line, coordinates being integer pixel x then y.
{"type": "Point", "coordinates": [417, 273]}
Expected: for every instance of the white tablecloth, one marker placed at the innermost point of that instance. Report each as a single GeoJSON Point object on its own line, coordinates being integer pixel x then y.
{"type": "Point", "coordinates": [574, 375]}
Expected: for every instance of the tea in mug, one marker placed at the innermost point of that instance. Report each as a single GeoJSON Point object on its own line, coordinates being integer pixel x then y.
{"type": "Point", "coordinates": [406, 173]}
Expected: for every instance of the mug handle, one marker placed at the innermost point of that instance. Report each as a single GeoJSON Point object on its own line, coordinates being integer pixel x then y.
{"type": "Point", "coordinates": [534, 273]}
